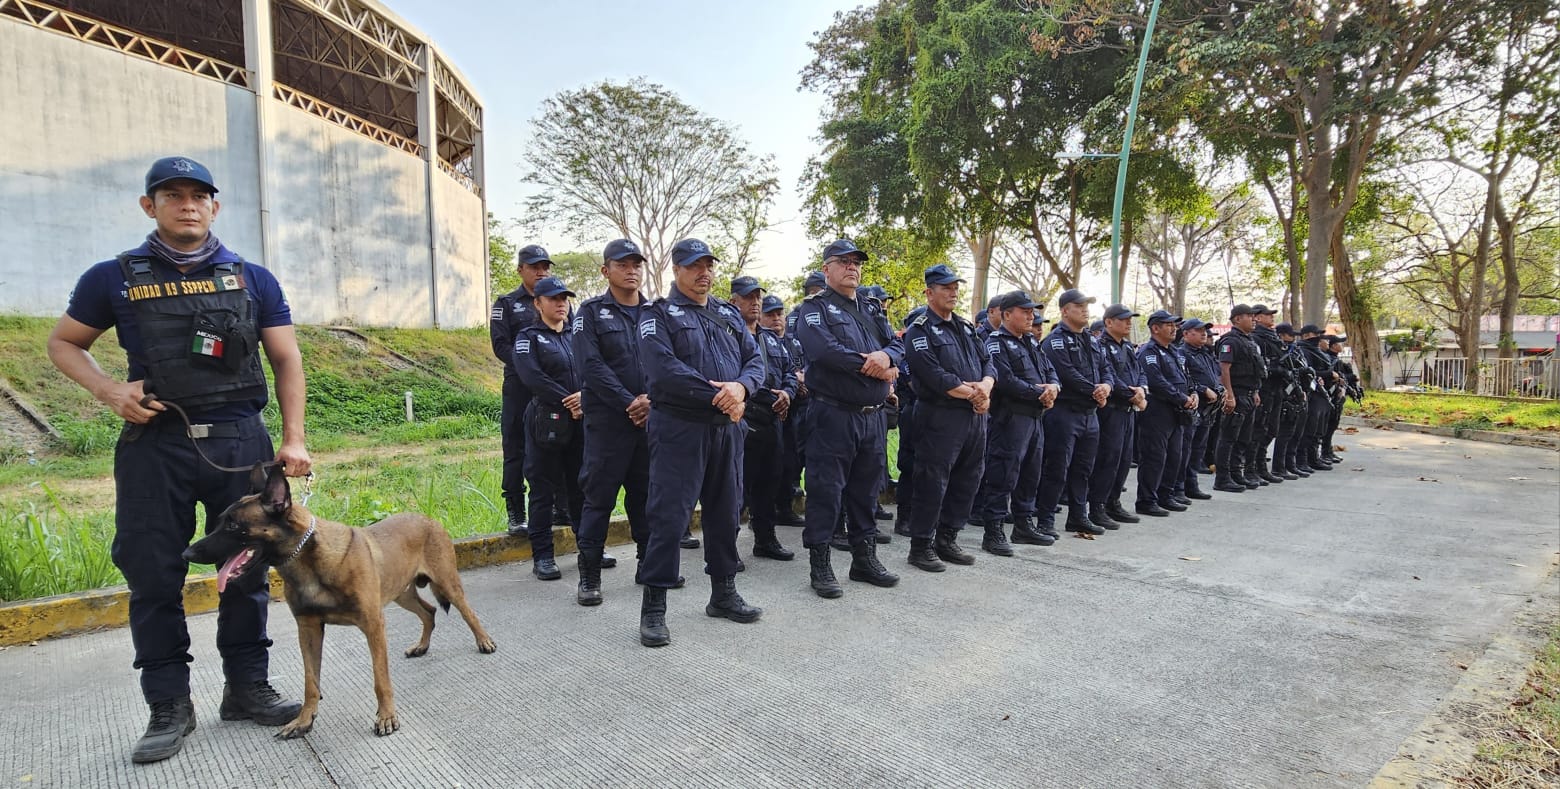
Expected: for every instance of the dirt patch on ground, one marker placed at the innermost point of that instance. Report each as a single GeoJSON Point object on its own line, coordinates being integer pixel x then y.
{"type": "Point", "coordinates": [390, 359]}
{"type": "Point", "coordinates": [18, 435]}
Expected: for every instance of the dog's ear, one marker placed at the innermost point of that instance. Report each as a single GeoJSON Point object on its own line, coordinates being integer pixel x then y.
{"type": "Point", "coordinates": [277, 496]}
{"type": "Point", "coordinates": [257, 478]}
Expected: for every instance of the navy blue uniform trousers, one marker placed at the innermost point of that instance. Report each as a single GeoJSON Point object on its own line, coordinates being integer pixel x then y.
{"type": "Point", "coordinates": [1159, 453]}
{"type": "Point", "coordinates": [158, 481]}
{"type": "Point", "coordinates": [617, 456]}
{"type": "Point", "coordinates": [1027, 489]}
{"type": "Point", "coordinates": [950, 457]}
{"type": "Point", "coordinates": [692, 462]}
{"type": "Point", "coordinates": [1072, 438]}
{"type": "Point", "coordinates": [1114, 460]}
{"type": "Point", "coordinates": [762, 461]}
{"type": "Point", "coordinates": [511, 427]}
{"type": "Point", "coordinates": [1011, 440]}
{"type": "Point", "coordinates": [904, 494]}
{"type": "Point", "coordinates": [846, 455]}
{"type": "Point", "coordinates": [554, 474]}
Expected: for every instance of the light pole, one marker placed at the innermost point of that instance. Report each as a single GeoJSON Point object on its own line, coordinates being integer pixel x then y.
{"type": "Point", "coordinates": [1122, 156]}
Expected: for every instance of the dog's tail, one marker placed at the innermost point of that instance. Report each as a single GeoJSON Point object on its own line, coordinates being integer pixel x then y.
{"type": "Point", "coordinates": [422, 580]}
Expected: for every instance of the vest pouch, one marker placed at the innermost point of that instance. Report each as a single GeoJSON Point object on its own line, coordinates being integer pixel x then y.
{"type": "Point", "coordinates": [548, 429]}
{"type": "Point", "coordinates": [217, 341]}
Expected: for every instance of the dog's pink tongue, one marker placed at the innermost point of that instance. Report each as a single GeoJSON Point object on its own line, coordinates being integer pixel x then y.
{"type": "Point", "coordinates": [231, 566]}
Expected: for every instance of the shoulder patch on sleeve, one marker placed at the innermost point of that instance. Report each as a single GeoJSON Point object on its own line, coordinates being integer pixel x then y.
{"type": "Point", "coordinates": [579, 322]}
{"type": "Point", "coordinates": [919, 343]}
{"type": "Point", "coordinates": [815, 319]}
{"type": "Point", "coordinates": [993, 347]}
{"type": "Point", "coordinates": [1056, 342]}
{"type": "Point", "coordinates": [1152, 358]}
{"type": "Point", "coordinates": [522, 345]}
{"type": "Point", "coordinates": [647, 328]}
{"type": "Point", "coordinates": [498, 312]}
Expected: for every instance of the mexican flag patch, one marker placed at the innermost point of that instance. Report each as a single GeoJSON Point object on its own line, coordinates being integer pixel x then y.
{"type": "Point", "coordinates": [207, 344]}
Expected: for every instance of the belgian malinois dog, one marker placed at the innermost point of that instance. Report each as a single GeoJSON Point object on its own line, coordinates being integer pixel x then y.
{"type": "Point", "coordinates": [338, 575]}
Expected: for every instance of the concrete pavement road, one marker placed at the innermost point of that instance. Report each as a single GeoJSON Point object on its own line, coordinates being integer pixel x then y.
{"type": "Point", "coordinates": [1292, 636]}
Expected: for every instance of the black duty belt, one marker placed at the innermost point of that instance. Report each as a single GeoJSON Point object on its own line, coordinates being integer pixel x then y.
{"type": "Point", "coordinates": [854, 409]}
{"type": "Point", "coordinates": [692, 414]}
{"type": "Point", "coordinates": [207, 430]}
{"type": "Point", "coordinates": [1021, 407]}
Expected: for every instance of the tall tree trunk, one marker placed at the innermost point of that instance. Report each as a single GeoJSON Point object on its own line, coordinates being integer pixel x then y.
{"type": "Point", "coordinates": [1356, 318]}
{"type": "Point", "coordinates": [981, 245]}
{"type": "Point", "coordinates": [1513, 286]}
{"type": "Point", "coordinates": [1126, 257]}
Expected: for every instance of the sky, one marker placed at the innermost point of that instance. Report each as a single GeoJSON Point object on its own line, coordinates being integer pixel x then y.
{"type": "Point", "coordinates": [736, 61]}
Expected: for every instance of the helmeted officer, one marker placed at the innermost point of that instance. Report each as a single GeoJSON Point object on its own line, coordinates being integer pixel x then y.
{"type": "Point", "coordinates": [512, 312]}
{"type": "Point", "coordinates": [544, 360]}
{"type": "Point", "coordinates": [1270, 413]}
{"type": "Point", "coordinates": [773, 319]}
{"type": "Point", "coordinates": [767, 408]}
{"type": "Point", "coordinates": [852, 363]}
{"type": "Point", "coordinates": [1171, 404]}
{"type": "Point", "coordinates": [1072, 427]}
{"type": "Point", "coordinates": [1203, 373]}
{"type": "Point", "coordinates": [1025, 387]}
{"type": "Point", "coordinates": [616, 404]}
{"type": "Point", "coordinates": [1117, 420]}
{"type": "Point", "coordinates": [1319, 403]}
{"type": "Point", "coordinates": [192, 317]}
{"type": "Point", "coordinates": [1241, 371]}
{"type": "Point", "coordinates": [953, 379]}
{"type": "Point", "coordinates": [1299, 379]}
{"type": "Point", "coordinates": [701, 366]}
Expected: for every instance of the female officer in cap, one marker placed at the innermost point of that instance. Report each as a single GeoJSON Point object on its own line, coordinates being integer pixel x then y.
{"type": "Point", "coordinates": [544, 360]}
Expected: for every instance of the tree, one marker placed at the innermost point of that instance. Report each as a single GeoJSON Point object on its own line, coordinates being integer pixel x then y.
{"type": "Point", "coordinates": [635, 161]}
{"type": "Point", "coordinates": [501, 258]}
{"type": "Point", "coordinates": [1178, 244]}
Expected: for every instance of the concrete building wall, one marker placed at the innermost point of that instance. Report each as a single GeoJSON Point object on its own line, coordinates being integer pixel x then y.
{"type": "Point", "coordinates": [351, 234]}
{"type": "Point", "coordinates": [79, 125]}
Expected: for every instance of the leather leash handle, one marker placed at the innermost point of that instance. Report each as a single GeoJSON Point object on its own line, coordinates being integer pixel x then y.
{"type": "Point", "coordinates": [188, 429]}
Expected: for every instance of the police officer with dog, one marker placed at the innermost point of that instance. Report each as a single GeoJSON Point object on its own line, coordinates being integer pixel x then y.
{"type": "Point", "coordinates": [192, 317]}
{"type": "Point", "coordinates": [701, 365]}
{"type": "Point", "coordinates": [852, 363]}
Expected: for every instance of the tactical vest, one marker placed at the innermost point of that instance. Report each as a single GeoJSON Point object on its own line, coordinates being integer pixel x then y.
{"type": "Point", "coordinates": [199, 336]}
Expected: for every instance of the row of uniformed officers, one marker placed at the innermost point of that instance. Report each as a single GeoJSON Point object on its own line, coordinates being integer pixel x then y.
{"type": "Point", "coordinates": [694, 399]}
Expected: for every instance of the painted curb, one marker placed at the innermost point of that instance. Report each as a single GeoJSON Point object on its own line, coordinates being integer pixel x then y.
{"type": "Point", "coordinates": [25, 621]}
{"type": "Point", "coordinates": [1439, 752]}
{"type": "Point", "coordinates": [1468, 434]}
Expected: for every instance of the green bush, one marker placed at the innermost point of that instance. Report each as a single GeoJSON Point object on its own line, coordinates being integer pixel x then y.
{"type": "Point", "coordinates": [49, 551]}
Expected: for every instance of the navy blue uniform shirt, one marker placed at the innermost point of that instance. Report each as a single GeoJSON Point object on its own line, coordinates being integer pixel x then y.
{"type": "Point", "coordinates": [544, 360]}
{"type": "Point", "coordinates": [943, 354]}
{"type": "Point", "coordinates": [1020, 366]}
{"type": "Point", "coordinates": [779, 369]}
{"type": "Point", "coordinates": [685, 346]}
{"type": "Point", "coordinates": [1201, 368]}
{"type": "Point", "coordinates": [1079, 365]}
{"type": "Point", "coordinates": [1124, 368]}
{"type": "Point", "coordinates": [1163, 369]}
{"type": "Point", "coordinates": [99, 301]}
{"type": "Point", "coordinates": [606, 348]}
{"type": "Point", "coordinates": [834, 342]}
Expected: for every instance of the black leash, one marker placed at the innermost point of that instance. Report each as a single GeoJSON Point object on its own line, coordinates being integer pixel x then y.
{"type": "Point", "coordinates": [189, 430]}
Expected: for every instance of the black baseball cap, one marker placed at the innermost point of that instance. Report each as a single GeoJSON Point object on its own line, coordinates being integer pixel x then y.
{"type": "Point", "coordinates": [1097, 326]}
{"type": "Point", "coordinates": [1017, 298]}
{"type": "Point", "coordinates": [1119, 311]}
{"type": "Point", "coordinates": [742, 286]}
{"type": "Point", "coordinates": [621, 248]}
{"type": "Point", "coordinates": [940, 274]}
{"type": "Point", "coordinates": [690, 250]}
{"type": "Point", "coordinates": [1191, 323]}
{"type": "Point", "coordinates": [174, 168]}
{"type": "Point", "coordinates": [1310, 328]}
{"type": "Point", "coordinates": [552, 286]}
{"type": "Point", "coordinates": [772, 304]}
{"type": "Point", "coordinates": [1284, 328]}
{"type": "Point", "coordinates": [1262, 309]}
{"type": "Point", "coordinates": [841, 248]}
{"type": "Point", "coordinates": [815, 280]}
{"type": "Point", "coordinates": [1162, 316]}
{"type": "Point", "coordinates": [1039, 318]}
{"type": "Point", "coordinates": [532, 254]}
{"type": "Point", "coordinates": [1241, 309]}
{"type": "Point", "coordinates": [1073, 297]}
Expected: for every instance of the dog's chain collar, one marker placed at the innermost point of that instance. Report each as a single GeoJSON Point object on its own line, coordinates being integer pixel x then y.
{"type": "Point", "coordinates": [313, 522]}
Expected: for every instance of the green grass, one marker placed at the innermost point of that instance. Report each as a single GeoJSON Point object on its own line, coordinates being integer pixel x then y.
{"type": "Point", "coordinates": [1464, 411]}
{"type": "Point", "coordinates": [48, 550]}
{"type": "Point", "coordinates": [1520, 745]}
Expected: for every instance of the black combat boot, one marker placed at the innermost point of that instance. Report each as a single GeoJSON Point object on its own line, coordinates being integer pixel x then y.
{"type": "Point", "coordinates": [995, 541]}
{"type": "Point", "coordinates": [878, 513]}
{"type": "Point", "coordinates": [946, 544]}
{"type": "Point", "coordinates": [902, 521]}
{"type": "Point", "coordinates": [589, 591]}
{"type": "Point", "coordinates": [1119, 513]}
{"type": "Point", "coordinates": [1079, 522]}
{"type": "Point", "coordinates": [766, 545]}
{"type": "Point", "coordinates": [652, 618]}
{"type": "Point", "coordinates": [864, 566]}
{"type": "Point", "coordinates": [256, 701]}
{"type": "Point", "coordinates": [841, 540]}
{"type": "Point", "coordinates": [1099, 517]}
{"type": "Point", "coordinates": [516, 525]}
{"type": "Point", "coordinates": [688, 541]}
{"type": "Point", "coordinates": [1224, 478]}
{"type": "Point", "coordinates": [1264, 472]}
{"type": "Point", "coordinates": [785, 516]}
{"type": "Point", "coordinates": [546, 568]}
{"type": "Point", "coordinates": [1025, 533]}
{"type": "Point", "coordinates": [171, 722]}
{"type": "Point", "coordinates": [923, 556]}
{"type": "Point", "coordinates": [1280, 471]}
{"type": "Point", "coordinates": [725, 603]}
{"type": "Point", "coordinates": [823, 581]}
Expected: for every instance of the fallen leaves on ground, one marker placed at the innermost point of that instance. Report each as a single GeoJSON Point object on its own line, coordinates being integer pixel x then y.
{"type": "Point", "coordinates": [1191, 558]}
{"type": "Point", "coordinates": [1351, 430]}
{"type": "Point", "coordinates": [1357, 468]}
{"type": "Point", "coordinates": [1428, 479]}
{"type": "Point", "coordinates": [1083, 535]}
{"type": "Point", "coordinates": [1519, 479]}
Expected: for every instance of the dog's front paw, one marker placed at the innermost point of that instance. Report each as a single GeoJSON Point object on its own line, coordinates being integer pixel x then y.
{"type": "Point", "coordinates": [487, 646]}
{"type": "Point", "coordinates": [386, 724]}
{"type": "Point", "coordinates": [417, 651]}
{"type": "Point", "coordinates": [296, 729]}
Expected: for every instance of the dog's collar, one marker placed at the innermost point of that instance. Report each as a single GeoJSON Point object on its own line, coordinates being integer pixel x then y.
{"type": "Point", "coordinates": [313, 522]}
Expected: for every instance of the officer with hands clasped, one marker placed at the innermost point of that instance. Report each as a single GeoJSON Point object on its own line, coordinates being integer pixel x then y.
{"type": "Point", "coordinates": [1171, 404]}
{"type": "Point", "coordinates": [852, 363]}
{"type": "Point", "coordinates": [1026, 386]}
{"type": "Point", "coordinates": [192, 317]}
{"type": "Point", "coordinates": [1072, 428]}
{"type": "Point", "coordinates": [953, 380]}
{"type": "Point", "coordinates": [767, 408]}
{"type": "Point", "coordinates": [701, 366]}
{"type": "Point", "coordinates": [1203, 372]}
